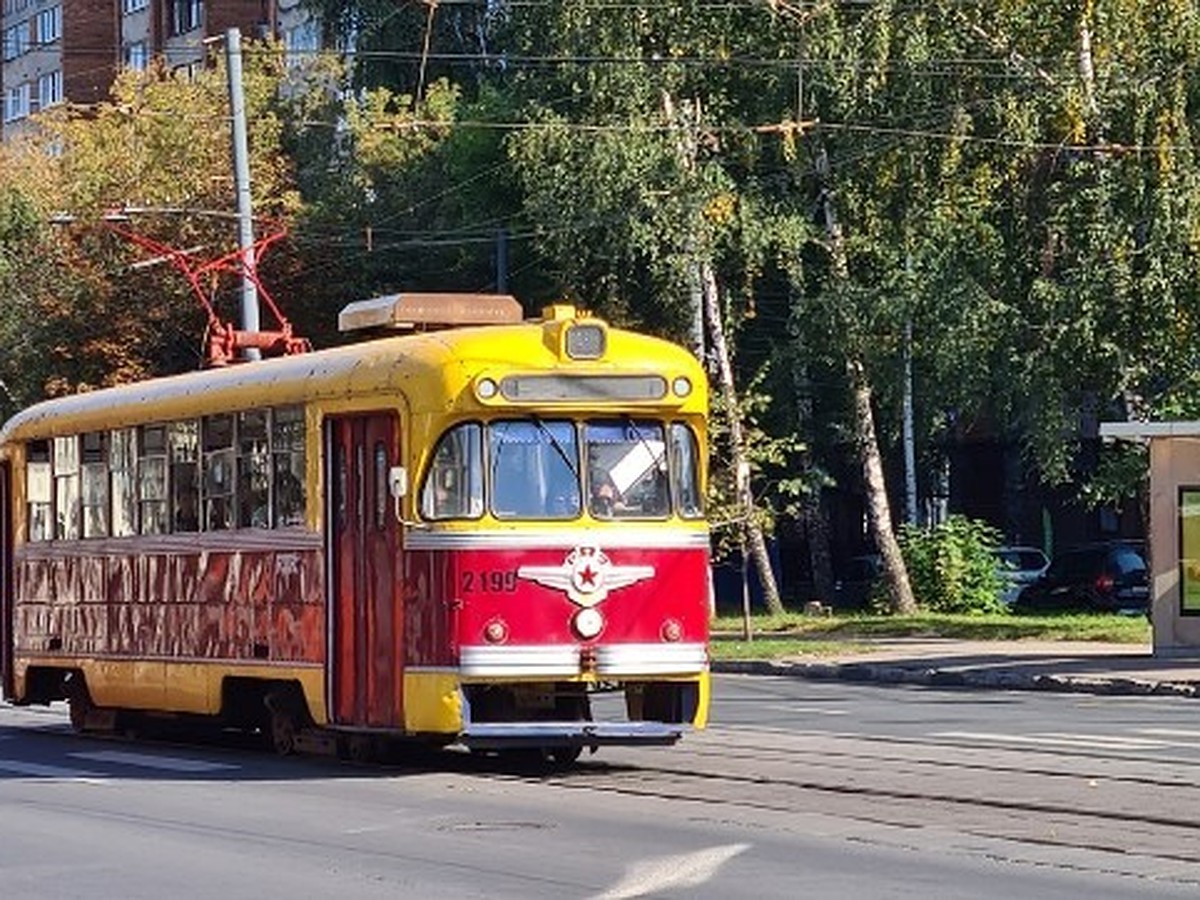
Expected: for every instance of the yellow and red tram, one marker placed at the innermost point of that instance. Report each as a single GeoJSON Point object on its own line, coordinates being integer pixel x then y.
{"type": "Point", "coordinates": [489, 534]}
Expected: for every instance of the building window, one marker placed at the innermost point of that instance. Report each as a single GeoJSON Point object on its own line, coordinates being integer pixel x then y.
{"type": "Point", "coordinates": [137, 56]}
{"type": "Point", "coordinates": [132, 6]}
{"type": "Point", "coordinates": [49, 25]}
{"type": "Point", "coordinates": [16, 40]}
{"type": "Point", "coordinates": [186, 15]}
{"type": "Point", "coordinates": [301, 42]}
{"type": "Point", "coordinates": [16, 103]}
{"type": "Point", "coordinates": [50, 89]}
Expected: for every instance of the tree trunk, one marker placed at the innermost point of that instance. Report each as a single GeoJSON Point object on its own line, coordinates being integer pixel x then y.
{"type": "Point", "coordinates": [720, 352]}
{"type": "Point", "coordinates": [879, 512]}
{"type": "Point", "coordinates": [812, 513]}
{"type": "Point", "coordinates": [879, 516]}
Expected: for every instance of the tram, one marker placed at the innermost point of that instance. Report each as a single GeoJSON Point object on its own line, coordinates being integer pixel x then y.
{"type": "Point", "coordinates": [482, 531]}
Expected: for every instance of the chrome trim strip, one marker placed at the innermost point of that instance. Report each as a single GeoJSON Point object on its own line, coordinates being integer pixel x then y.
{"type": "Point", "coordinates": [651, 659]}
{"type": "Point", "coordinates": [58, 657]}
{"type": "Point", "coordinates": [499, 735]}
{"type": "Point", "coordinates": [244, 539]}
{"type": "Point", "coordinates": [564, 538]}
{"type": "Point", "coordinates": [486, 661]}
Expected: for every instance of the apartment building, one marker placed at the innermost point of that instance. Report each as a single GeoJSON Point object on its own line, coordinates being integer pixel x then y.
{"type": "Point", "coordinates": [57, 51]}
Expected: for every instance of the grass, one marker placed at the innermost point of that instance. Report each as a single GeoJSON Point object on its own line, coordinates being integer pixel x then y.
{"type": "Point", "coordinates": [793, 634]}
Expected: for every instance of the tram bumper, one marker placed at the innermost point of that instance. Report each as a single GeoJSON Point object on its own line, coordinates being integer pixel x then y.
{"type": "Point", "coordinates": [516, 735]}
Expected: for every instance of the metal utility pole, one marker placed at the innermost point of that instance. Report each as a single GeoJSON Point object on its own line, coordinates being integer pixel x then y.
{"type": "Point", "coordinates": [910, 444]}
{"type": "Point", "coordinates": [241, 174]}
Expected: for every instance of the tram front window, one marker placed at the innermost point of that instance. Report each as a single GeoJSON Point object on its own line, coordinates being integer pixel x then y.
{"type": "Point", "coordinates": [627, 469]}
{"type": "Point", "coordinates": [533, 469]}
{"type": "Point", "coordinates": [454, 486]}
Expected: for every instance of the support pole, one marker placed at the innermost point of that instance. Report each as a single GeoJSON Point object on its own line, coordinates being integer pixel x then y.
{"type": "Point", "coordinates": [241, 174]}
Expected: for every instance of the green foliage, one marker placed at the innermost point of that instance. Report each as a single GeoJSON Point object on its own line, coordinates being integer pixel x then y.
{"type": "Point", "coordinates": [953, 566]}
{"type": "Point", "coordinates": [772, 469]}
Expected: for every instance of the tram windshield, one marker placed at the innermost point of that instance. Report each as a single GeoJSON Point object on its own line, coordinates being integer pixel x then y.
{"type": "Point", "coordinates": [539, 469]}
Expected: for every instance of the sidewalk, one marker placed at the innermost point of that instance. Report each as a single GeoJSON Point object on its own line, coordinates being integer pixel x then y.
{"type": "Point", "coordinates": [1076, 667]}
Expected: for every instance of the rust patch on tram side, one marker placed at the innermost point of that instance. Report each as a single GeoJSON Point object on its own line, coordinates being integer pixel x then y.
{"type": "Point", "coordinates": [237, 605]}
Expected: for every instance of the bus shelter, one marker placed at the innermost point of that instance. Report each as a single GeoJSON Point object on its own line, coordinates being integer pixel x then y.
{"type": "Point", "coordinates": [1173, 529]}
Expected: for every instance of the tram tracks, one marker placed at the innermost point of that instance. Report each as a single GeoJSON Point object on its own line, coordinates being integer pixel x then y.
{"type": "Point", "coordinates": [1114, 805]}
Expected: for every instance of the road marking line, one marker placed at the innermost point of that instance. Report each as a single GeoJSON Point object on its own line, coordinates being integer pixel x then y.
{"type": "Point", "coordinates": [1081, 740]}
{"type": "Point", "coordinates": [1171, 732]}
{"type": "Point", "coordinates": [41, 770]}
{"type": "Point", "coordinates": [653, 876]}
{"type": "Point", "coordinates": [148, 761]}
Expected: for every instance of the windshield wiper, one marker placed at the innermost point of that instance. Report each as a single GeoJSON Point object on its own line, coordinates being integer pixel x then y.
{"type": "Point", "coordinates": [558, 447]}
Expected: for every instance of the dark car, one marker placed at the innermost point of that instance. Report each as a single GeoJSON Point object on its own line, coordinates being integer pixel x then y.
{"type": "Point", "coordinates": [852, 590]}
{"type": "Point", "coordinates": [1099, 578]}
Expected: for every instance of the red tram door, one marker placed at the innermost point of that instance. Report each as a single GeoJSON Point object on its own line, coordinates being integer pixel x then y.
{"type": "Point", "coordinates": [364, 545]}
{"type": "Point", "coordinates": [6, 583]}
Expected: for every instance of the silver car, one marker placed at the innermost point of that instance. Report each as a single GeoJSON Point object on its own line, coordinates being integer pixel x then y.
{"type": "Point", "coordinates": [1018, 567]}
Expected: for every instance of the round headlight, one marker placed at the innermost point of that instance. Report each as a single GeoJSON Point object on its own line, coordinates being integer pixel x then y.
{"type": "Point", "coordinates": [682, 386]}
{"type": "Point", "coordinates": [588, 623]}
{"type": "Point", "coordinates": [495, 632]}
{"type": "Point", "coordinates": [485, 389]}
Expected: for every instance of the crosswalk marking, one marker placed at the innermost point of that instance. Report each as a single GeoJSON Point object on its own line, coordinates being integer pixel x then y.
{"type": "Point", "coordinates": [148, 761]}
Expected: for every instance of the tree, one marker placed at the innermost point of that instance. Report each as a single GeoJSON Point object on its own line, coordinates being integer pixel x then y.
{"type": "Point", "coordinates": [83, 307]}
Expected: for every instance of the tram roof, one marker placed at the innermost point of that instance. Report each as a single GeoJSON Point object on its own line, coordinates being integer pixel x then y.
{"type": "Point", "coordinates": [433, 370]}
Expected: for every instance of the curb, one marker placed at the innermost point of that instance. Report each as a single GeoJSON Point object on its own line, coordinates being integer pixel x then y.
{"type": "Point", "coordinates": [882, 673]}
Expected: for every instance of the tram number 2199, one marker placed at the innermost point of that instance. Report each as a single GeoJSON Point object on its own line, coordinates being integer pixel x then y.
{"type": "Point", "coordinates": [491, 580]}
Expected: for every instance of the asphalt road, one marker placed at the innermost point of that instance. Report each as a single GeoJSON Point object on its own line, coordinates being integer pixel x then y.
{"type": "Point", "coordinates": [799, 788]}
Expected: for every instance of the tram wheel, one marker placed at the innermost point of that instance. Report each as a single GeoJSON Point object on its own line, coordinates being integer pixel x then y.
{"type": "Point", "coordinates": [563, 757]}
{"type": "Point", "coordinates": [79, 701]}
{"type": "Point", "coordinates": [281, 725]}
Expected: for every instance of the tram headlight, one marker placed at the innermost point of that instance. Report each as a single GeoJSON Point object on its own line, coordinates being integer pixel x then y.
{"type": "Point", "coordinates": [588, 623]}
{"type": "Point", "coordinates": [495, 631]}
{"type": "Point", "coordinates": [585, 341]}
{"type": "Point", "coordinates": [485, 389]}
{"type": "Point", "coordinates": [682, 386]}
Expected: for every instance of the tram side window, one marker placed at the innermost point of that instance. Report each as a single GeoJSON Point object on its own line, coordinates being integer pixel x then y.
{"type": "Point", "coordinates": [685, 461]}
{"type": "Point", "coordinates": [183, 440]}
{"type": "Point", "coordinates": [217, 432]}
{"type": "Point", "coordinates": [627, 469]}
{"type": "Point", "coordinates": [253, 469]}
{"type": "Point", "coordinates": [152, 479]}
{"type": "Point", "coordinates": [454, 484]}
{"type": "Point", "coordinates": [94, 484]}
{"type": "Point", "coordinates": [287, 450]}
{"type": "Point", "coordinates": [39, 490]}
{"type": "Point", "coordinates": [122, 466]}
{"type": "Point", "coordinates": [66, 488]}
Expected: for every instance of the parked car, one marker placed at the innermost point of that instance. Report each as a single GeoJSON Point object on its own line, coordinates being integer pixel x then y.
{"type": "Point", "coordinates": [858, 576]}
{"type": "Point", "coordinates": [1018, 567]}
{"type": "Point", "coordinates": [1109, 577]}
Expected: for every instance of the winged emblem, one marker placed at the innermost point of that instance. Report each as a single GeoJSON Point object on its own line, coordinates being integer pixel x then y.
{"type": "Point", "coordinates": [587, 575]}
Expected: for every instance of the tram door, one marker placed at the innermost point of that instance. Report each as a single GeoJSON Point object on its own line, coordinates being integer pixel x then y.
{"type": "Point", "coordinates": [364, 544]}
{"type": "Point", "coordinates": [6, 583]}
